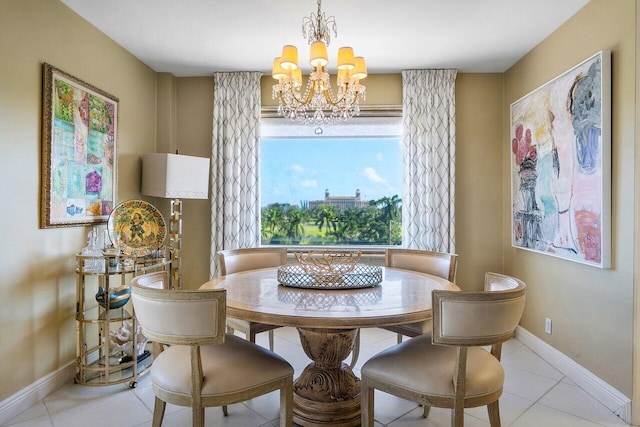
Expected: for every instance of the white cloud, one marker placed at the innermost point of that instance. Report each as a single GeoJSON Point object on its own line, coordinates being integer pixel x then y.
{"type": "Point", "coordinates": [371, 174]}
{"type": "Point", "coordinates": [297, 168]}
{"type": "Point", "coordinates": [380, 157]}
{"type": "Point", "coordinates": [309, 183]}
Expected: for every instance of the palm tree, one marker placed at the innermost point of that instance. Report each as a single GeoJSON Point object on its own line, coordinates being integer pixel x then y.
{"type": "Point", "coordinates": [272, 217]}
{"type": "Point", "coordinates": [347, 226]}
{"type": "Point", "coordinates": [294, 218]}
{"type": "Point", "coordinates": [325, 216]}
{"type": "Point", "coordinates": [370, 229]}
{"type": "Point", "coordinates": [390, 209]}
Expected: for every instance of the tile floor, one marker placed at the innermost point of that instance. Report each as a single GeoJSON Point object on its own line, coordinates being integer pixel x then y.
{"type": "Point", "coordinates": [535, 395]}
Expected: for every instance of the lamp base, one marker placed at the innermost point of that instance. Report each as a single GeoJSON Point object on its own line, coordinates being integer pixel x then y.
{"type": "Point", "coordinates": [175, 243]}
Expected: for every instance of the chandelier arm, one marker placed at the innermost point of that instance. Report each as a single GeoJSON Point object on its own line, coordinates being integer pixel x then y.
{"type": "Point", "coordinates": [292, 93]}
{"type": "Point", "coordinates": [328, 96]}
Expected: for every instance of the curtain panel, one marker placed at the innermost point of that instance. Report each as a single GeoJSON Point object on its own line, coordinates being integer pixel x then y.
{"type": "Point", "coordinates": [428, 144]}
{"type": "Point", "coordinates": [235, 161]}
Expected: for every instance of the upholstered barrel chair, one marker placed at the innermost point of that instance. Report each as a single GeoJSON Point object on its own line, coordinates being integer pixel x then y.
{"type": "Point", "coordinates": [202, 365]}
{"type": "Point", "coordinates": [451, 368]}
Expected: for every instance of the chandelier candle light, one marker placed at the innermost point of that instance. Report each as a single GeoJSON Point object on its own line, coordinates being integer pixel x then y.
{"type": "Point", "coordinates": [318, 105]}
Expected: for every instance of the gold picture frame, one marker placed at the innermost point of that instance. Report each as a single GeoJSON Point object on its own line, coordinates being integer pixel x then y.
{"type": "Point", "coordinates": [79, 151]}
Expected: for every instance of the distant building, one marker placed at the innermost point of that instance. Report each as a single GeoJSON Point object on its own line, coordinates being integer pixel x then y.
{"type": "Point", "coordinates": [341, 202]}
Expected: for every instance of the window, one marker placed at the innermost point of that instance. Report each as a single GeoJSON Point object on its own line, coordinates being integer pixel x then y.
{"type": "Point", "coordinates": [335, 185]}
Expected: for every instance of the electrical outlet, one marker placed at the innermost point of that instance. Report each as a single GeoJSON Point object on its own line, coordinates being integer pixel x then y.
{"type": "Point", "coordinates": [547, 326]}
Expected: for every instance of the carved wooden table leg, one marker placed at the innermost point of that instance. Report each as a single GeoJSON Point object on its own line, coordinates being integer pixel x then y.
{"type": "Point", "coordinates": [327, 393]}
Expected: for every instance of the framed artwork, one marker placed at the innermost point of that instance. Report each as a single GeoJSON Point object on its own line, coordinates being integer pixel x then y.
{"type": "Point", "coordinates": [561, 165]}
{"type": "Point", "coordinates": [79, 141]}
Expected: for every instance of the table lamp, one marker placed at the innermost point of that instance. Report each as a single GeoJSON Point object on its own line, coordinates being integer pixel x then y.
{"type": "Point", "coordinates": [176, 177]}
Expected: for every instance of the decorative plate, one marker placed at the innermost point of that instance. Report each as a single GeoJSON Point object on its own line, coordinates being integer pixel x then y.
{"type": "Point", "coordinates": [136, 227]}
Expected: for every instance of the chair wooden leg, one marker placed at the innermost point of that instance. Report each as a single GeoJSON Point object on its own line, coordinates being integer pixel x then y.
{"type": "Point", "coordinates": [355, 352]}
{"type": "Point", "coordinates": [457, 416]}
{"type": "Point", "coordinates": [494, 414]}
{"type": "Point", "coordinates": [225, 411]}
{"type": "Point", "coordinates": [158, 412]}
{"type": "Point", "coordinates": [366, 403]}
{"type": "Point", "coordinates": [271, 340]}
{"type": "Point", "coordinates": [286, 404]}
{"type": "Point", "coordinates": [399, 338]}
{"type": "Point", "coordinates": [425, 411]}
{"type": "Point", "coordinates": [198, 415]}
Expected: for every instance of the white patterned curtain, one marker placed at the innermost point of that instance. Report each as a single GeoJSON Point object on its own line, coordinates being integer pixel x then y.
{"type": "Point", "coordinates": [428, 144]}
{"type": "Point", "coordinates": [235, 163]}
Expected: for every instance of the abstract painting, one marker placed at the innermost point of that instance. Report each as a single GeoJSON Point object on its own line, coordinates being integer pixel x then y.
{"type": "Point", "coordinates": [561, 165]}
{"type": "Point", "coordinates": [79, 128]}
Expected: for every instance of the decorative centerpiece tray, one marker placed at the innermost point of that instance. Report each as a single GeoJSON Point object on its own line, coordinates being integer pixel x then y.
{"type": "Point", "coordinates": [326, 270]}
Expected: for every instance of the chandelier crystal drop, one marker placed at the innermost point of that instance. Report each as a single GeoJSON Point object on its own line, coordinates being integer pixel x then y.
{"type": "Point", "coordinates": [318, 105]}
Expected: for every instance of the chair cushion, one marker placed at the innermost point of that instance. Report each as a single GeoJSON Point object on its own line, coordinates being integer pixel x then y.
{"type": "Point", "coordinates": [231, 367]}
{"type": "Point", "coordinates": [424, 368]}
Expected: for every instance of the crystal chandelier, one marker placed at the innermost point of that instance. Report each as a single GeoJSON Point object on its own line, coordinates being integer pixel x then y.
{"type": "Point", "coordinates": [318, 105]}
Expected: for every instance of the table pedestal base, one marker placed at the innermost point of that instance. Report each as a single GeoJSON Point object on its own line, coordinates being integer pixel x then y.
{"type": "Point", "coordinates": [327, 393]}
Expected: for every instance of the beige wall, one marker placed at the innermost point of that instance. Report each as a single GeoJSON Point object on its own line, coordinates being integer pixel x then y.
{"type": "Point", "coordinates": [478, 177]}
{"type": "Point", "coordinates": [195, 127]}
{"type": "Point", "coordinates": [591, 308]}
{"type": "Point", "coordinates": [37, 280]}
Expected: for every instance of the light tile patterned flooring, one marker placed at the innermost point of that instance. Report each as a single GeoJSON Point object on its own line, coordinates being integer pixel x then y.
{"type": "Point", "coordinates": [535, 395]}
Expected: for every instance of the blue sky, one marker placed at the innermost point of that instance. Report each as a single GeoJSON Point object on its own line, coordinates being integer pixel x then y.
{"type": "Point", "coordinates": [293, 170]}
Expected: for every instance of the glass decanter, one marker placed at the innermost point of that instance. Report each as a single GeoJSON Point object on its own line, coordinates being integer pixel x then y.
{"type": "Point", "coordinates": [94, 265]}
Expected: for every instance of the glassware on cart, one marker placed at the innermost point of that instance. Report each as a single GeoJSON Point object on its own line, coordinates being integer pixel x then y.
{"type": "Point", "coordinates": [96, 264]}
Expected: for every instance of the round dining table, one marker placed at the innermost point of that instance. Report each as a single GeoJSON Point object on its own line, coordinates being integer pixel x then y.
{"type": "Point", "coordinates": [327, 392]}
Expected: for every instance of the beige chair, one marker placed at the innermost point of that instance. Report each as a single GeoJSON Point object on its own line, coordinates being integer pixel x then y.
{"type": "Point", "coordinates": [156, 280]}
{"type": "Point", "coordinates": [453, 371]}
{"type": "Point", "coordinates": [439, 264]}
{"type": "Point", "coordinates": [203, 366]}
{"type": "Point", "coordinates": [237, 260]}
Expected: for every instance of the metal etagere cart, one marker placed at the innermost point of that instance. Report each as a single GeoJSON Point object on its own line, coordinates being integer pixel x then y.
{"type": "Point", "coordinates": [110, 348]}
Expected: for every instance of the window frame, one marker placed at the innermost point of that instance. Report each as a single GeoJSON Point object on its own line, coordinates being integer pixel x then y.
{"type": "Point", "coordinates": [379, 119]}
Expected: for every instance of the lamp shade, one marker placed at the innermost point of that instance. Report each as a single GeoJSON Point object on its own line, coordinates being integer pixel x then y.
{"type": "Point", "coordinates": [345, 58]}
{"type": "Point", "coordinates": [278, 72]}
{"type": "Point", "coordinates": [360, 72]}
{"type": "Point", "coordinates": [175, 176]}
{"type": "Point", "coordinates": [318, 57]}
{"type": "Point", "coordinates": [289, 57]}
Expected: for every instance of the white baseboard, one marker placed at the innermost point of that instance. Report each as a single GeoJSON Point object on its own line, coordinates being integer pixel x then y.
{"type": "Point", "coordinates": [32, 394]}
{"type": "Point", "coordinates": [613, 399]}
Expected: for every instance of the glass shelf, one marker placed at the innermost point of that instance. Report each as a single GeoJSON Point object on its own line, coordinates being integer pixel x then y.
{"type": "Point", "coordinates": [99, 314]}
{"type": "Point", "coordinates": [98, 362]}
{"type": "Point", "coordinates": [109, 370]}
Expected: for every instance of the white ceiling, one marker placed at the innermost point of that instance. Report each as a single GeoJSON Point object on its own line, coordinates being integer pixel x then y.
{"type": "Point", "coordinates": [200, 37]}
